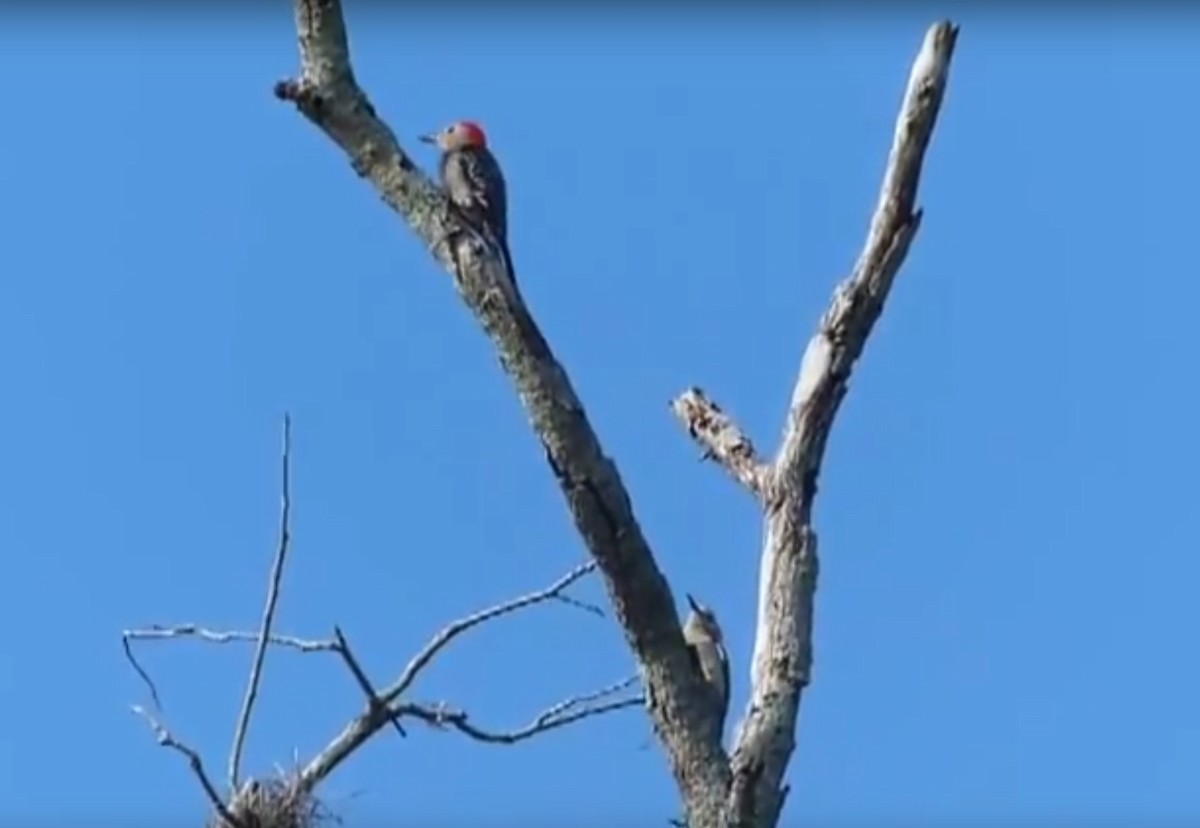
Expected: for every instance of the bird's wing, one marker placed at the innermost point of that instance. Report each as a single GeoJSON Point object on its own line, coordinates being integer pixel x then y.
{"type": "Point", "coordinates": [484, 180]}
{"type": "Point", "coordinates": [725, 671]}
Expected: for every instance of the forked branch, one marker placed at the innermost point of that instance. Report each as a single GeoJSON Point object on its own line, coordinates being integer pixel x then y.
{"type": "Point", "coordinates": [782, 662]}
{"type": "Point", "coordinates": [360, 676]}
{"type": "Point", "coordinates": [384, 706]}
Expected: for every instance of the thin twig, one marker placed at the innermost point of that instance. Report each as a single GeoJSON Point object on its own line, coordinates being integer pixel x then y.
{"type": "Point", "coordinates": [145, 676]}
{"type": "Point", "coordinates": [457, 628]}
{"type": "Point", "coordinates": [361, 677]}
{"type": "Point", "coordinates": [260, 653]}
{"type": "Point", "coordinates": [559, 715]}
{"type": "Point", "coordinates": [587, 698]}
{"type": "Point", "coordinates": [582, 605]}
{"type": "Point", "coordinates": [165, 739]}
{"type": "Point", "coordinates": [158, 631]}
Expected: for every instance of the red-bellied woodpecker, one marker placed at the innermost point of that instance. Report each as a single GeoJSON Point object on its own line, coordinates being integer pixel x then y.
{"type": "Point", "coordinates": [475, 184]}
{"type": "Point", "coordinates": [703, 636]}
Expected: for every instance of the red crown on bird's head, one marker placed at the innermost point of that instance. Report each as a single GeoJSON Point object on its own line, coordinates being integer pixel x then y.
{"type": "Point", "coordinates": [458, 135]}
{"type": "Point", "coordinates": [472, 133]}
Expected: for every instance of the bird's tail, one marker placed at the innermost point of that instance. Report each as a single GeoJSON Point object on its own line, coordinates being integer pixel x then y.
{"type": "Point", "coordinates": [506, 257]}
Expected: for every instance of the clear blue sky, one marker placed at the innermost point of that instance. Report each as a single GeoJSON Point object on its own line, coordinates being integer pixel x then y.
{"type": "Point", "coordinates": [1007, 612]}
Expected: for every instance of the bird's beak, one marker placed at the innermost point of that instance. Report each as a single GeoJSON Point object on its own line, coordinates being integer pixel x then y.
{"type": "Point", "coordinates": [427, 139]}
{"type": "Point", "coordinates": [692, 602]}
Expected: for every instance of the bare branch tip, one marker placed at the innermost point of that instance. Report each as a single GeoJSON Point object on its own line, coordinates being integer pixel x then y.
{"type": "Point", "coordinates": [940, 41]}
{"type": "Point", "coordinates": [720, 438]}
{"type": "Point", "coordinates": [274, 584]}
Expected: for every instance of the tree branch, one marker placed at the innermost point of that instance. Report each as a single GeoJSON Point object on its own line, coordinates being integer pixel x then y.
{"type": "Point", "coordinates": [721, 439]}
{"type": "Point", "coordinates": [451, 631]}
{"type": "Point", "coordinates": [264, 635]}
{"type": "Point", "coordinates": [783, 643]}
{"type": "Point", "coordinates": [564, 713]}
{"type": "Point", "coordinates": [263, 638]}
{"type": "Point", "coordinates": [159, 632]}
{"type": "Point", "coordinates": [380, 708]}
{"type": "Point", "coordinates": [164, 738]}
{"type": "Point", "coordinates": [327, 94]}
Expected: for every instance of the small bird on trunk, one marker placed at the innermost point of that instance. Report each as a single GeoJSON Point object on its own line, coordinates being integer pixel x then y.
{"type": "Point", "coordinates": [474, 182]}
{"type": "Point", "coordinates": [704, 638]}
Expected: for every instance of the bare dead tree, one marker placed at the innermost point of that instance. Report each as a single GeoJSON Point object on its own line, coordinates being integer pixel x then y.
{"type": "Point", "coordinates": [745, 787]}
